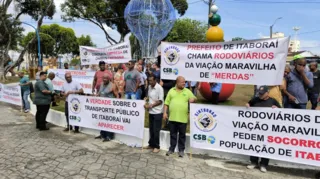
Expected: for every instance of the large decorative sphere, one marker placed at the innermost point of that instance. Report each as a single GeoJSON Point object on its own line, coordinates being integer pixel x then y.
{"type": "Point", "coordinates": [214, 34]}
{"type": "Point", "coordinates": [214, 9]}
{"type": "Point", "coordinates": [226, 91]}
{"type": "Point", "coordinates": [215, 20]}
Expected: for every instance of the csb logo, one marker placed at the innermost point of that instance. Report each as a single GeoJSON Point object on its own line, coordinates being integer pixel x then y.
{"type": "Point", "coordinates": [168, 71]}
{"type": "Point", "coordinates": [75, 118]}
{"type": "Point", "coordinates": [172, 55]}
{"type": "Point", "coordinates": [205, 120]}
{"type": "Point", "coordinates": [75, 106]}
{"type": "Point", "coordinates": [204, 138]}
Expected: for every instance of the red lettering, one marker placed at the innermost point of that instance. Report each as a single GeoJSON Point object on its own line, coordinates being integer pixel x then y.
{"type": "Point", "coordinates": [294, 142]}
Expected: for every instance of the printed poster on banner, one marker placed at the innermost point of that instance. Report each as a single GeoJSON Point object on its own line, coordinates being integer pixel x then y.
{"type": "Point", "coordinates": [237, 62]}
{"type": "Point", "coordinates": [85, 78]}
{"type": "Point", "coordinates": [119, 53]}
{"type": "Point", "coordinates": [107, 114]}
{"type": "Point", "coordinates": [10, 94]}
{"type": "Point", "coordinates": [281, 134]}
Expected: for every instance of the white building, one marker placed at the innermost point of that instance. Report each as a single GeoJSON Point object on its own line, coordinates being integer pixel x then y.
{"type": "Point", "coordinates": [294, 45]}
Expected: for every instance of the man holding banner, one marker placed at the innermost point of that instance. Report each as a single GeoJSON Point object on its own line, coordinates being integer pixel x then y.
{"type": "Point", "coordinates": [262, 101]}
{"type": "Point", "coordinates": [177, 101]}
{"type": "Point", "coordinates": [25, 91]}
{"type": "Point", "coordinates": [70, 87]}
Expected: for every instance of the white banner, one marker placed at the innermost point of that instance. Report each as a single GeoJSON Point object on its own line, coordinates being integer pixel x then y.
{"type": "Point", "coordinates": [280, 134]}
{"type": "Point", "coordinates": [85, 78]}
{"type": "Point", "coordinates": [10, 94]}
{"type": "Point", "coordinates": [107, 114]}
{"type": "Point", "coordinates": [256, 62]}
{"type": "Point", "coordinates": [119, 53]}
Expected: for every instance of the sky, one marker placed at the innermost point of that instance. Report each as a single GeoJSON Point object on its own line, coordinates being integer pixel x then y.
{"type": "Point", "coordinates": [249, 20]}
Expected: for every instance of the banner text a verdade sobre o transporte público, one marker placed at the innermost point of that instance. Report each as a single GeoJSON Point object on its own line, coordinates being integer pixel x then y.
{"type": "Point", "coordinates": [281, 134]}
{"type": "Point", "coordinates": [119, 53]}
{"type": "Point", "coordinates": [107, 114]}
{"type": "Point", "coordinates": [10, 94]}
{"type": "Point", "coordinates": [256, 62]}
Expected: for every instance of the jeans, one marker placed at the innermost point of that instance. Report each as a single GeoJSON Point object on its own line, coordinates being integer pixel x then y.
{"type": "Point", "coordinates": [132, 95]}
{"type": "Point", "coordinates": [175, 129]}
{"type": "Point", "coordinates": [215, 98]}
{"type": "Point", "coordinates": [297, 106]}
{"type": "Point", "coordinates": [255, 160]}
{"type": "Point", "coordinates": [66, 112]}
{"type": "Point", "coordinates": [26, 104]}
{"type": "Point", "coordinates": [155, 123]}
{"type": "Point", "coordinates": [313, 98]}
{"type": "Point", "coordinates": [41, 115]}
{"type": "Point", "coordinates": [106, 134]}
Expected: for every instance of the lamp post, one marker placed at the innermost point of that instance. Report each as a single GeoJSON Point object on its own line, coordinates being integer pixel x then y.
{"type": "Point", "coordinates": [273, 25]}
{"type": "Point", "coordinates": [38, 37]}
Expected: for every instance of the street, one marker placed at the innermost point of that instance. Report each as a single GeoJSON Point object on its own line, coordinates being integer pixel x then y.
{"type": "Point", "coordinates": [28, 153]}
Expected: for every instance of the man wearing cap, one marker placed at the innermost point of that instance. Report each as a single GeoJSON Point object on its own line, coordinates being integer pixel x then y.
{"type": "Point", "coordinates": [298, 82]}
{"type": "Point", "coordinates": [98, 77]}
{"type": "Point", "coordinates": [263, 100]}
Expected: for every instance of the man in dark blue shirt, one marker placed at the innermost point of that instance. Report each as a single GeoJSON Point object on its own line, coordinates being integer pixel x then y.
{"type": "Point", "coordinates": [298, 82]}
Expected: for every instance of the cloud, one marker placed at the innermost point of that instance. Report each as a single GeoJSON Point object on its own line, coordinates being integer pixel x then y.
{"type": "Point", "coordinates": [309, 43]}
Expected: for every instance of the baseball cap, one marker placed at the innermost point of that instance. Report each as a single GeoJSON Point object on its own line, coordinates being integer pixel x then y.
{"type": "Point", "coordinates": [263, 89]}
{"type": "Point", "coordinates": [296, 57]}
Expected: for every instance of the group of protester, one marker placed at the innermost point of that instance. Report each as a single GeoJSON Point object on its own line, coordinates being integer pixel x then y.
{"type": "Point", "coordinates": [169, 99]}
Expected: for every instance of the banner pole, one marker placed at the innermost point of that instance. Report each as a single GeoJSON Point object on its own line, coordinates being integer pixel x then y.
{"type": "Point", "coordinates": [142, 139]}
{"type": "Point", "coordinates": [190, 153]}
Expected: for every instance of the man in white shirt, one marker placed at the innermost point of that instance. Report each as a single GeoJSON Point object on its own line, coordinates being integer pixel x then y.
{"type": "Point", "coordinates": [70, 87]}
{"type": "Point", "coordinates": [155, 106]}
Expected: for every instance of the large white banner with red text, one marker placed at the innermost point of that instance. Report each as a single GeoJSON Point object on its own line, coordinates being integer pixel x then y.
{"type": "Point", "coordinates": [10, 94]}
{"type": "Point", "coordinates": [256, 62]}
{"type": "Point", "coordinates": [85, 78]}
{"type": "Point", "coordinates": [119, 53]}
{"type": "Point", "coordinates": [107, 114]}
{"type": "Point", "coordinates": [281, 134]}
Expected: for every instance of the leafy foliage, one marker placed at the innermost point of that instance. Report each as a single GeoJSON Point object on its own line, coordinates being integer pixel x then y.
{"type": "Point", "coordinates": [14, 29]}
{"type": "Point", "coordinates": [106, 13]}
{"type": "Point", "coordinates": [184, 30]}
{"type": "Point", "coordinates": [34, 8]}
{"type": "Point", "coordinates": [46, 45]}
{"type": "Point", "coordinates": [238, 39]}
{"type": "Point", "coordinates": [83, 41]}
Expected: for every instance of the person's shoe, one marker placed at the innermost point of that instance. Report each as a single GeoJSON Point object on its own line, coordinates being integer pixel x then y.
{"type": "Point", "coordinates": [148, 147]}
{"type": "Point", "coordinates": [76, 131]}
{"type": "Point", "coordinates": [252, 166]}
{"type": "Point", "coordinates": [44, 129]}
{"type": "Point", "coordinates": [106, 140]}
{"type": "Point", "coordinates": [181, 154]}
{"type": "Point", "coordinates": [169, 153]}
{"type": "Point", "coordinates": [98, 137]}
{"type": "Point", "coordinates": [66, 130]}
{"type": "Point", "coordinates": [155, 150]}
{"type": "Point", "coordinates": [27, 110]}
{"type": "Point", "coordinates": [263, 169]}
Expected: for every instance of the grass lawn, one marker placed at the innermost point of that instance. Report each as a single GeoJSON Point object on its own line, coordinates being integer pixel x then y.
{"type": "Point", "coordinates": [11, 79]}
{"type": "Point", "coordinates": [240, 97]}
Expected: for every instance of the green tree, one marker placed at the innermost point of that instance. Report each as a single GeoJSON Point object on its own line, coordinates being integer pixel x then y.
{"type": "Point", "coordinates": [106, 13]}
{"type": "Point", "coordinates": [83, 41]}
{"type": "Point", "coordinates": [47, 44]}
{"type": "Point", "coordinates": [65, 38]}
{"type": "Point", "coordinates": [10, 27]}
{"type": "Point", "coordinates": [237, 39]}
{"type": "Point", "coordinates": [184, 30]}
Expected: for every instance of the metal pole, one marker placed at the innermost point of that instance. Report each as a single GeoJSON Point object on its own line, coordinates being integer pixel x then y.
{"type": "Point", "coordinates": [273, 25]}
{"type": "Point", "coordinates": [271, 32]}
{"type": "Point", "coordinates": [38, 37]}
{"type": "Point", "coordinates": [210, 4]}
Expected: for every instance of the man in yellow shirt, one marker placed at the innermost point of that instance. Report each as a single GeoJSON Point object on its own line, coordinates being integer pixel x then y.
{"type": "Point", "coordinates": [177, 101]}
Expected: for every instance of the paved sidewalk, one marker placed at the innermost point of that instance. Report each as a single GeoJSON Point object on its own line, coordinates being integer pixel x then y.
{"type": "Point", "coordinates": [27, 153]}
